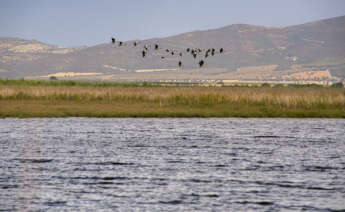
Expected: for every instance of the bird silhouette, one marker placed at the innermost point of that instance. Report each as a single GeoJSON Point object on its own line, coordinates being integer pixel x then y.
{"type": "Point", "coordinates": [201, 63]}
{"type": "Point", "coordinates": [195, 52]}
{"type": "Point", "coordinates": [213, 51]}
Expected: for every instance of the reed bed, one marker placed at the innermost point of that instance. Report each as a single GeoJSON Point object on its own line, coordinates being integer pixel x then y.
{"type": "Point", "coordinates": [190, 96]}
{"type": "Point", "coordinates": [178, 101]}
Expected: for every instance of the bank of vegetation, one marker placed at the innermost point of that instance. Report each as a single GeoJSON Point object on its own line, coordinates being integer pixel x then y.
{"type": "Point", "coordinates": [21, 98]}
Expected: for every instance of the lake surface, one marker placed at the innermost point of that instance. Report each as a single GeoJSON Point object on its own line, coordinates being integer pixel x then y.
{"type": "Point", "coordinates": [71, 164]}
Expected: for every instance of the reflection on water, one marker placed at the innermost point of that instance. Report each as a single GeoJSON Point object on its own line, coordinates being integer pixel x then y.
{"type": "Point", "coordinates": [172, 164]}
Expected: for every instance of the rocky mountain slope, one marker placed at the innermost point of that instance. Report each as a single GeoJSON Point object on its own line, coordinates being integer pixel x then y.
{"type": "Point", "coordinates": [250, 52]}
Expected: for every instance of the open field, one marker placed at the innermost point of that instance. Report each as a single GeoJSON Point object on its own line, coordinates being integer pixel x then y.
{"type": "Point", "coordinates": [140, 100]}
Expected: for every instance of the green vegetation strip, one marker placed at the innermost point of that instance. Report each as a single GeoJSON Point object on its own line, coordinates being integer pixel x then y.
{"type": "Point", "coordinates": [23, 82]}
{"type": "Point", "coordinates": [37, 99]}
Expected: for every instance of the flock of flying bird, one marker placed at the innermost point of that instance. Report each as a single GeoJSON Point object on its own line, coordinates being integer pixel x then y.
{"type": "Point", "coordinates": [193, 51]}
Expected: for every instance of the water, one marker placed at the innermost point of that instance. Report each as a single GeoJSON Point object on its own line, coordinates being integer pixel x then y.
{"type": "Point", "coordinates": [83, 164]}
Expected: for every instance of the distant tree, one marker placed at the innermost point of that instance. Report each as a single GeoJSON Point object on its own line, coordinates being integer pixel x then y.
{"type": "Point", "coordinates": [53, 78]}
{"type": "Point", "coordinates": [338, 85]}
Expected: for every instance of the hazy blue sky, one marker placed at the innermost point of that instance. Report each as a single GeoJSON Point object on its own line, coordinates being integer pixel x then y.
{"type": "Point", "coordinates": [90, 22]}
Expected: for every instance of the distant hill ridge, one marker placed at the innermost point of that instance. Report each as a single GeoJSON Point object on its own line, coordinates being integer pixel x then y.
{"type": "Point", "coordinates": [315, 46]}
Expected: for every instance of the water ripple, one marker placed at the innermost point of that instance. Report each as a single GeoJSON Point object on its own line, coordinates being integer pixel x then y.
{"type": "Point", "coordinates": [82, 164]}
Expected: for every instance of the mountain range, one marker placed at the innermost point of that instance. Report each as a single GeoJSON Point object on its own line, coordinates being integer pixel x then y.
{"type": "Point", "coordinates": [311, 51]}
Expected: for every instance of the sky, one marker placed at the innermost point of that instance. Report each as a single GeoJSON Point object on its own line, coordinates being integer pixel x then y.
{"type": "Point", "coordinates": [90, 22]}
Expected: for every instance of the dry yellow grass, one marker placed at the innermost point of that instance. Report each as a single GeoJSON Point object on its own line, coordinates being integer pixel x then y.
{"type": "Point", "coordinates": [178, 101]}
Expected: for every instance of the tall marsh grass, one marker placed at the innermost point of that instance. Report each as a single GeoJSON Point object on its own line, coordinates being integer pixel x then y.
{"type": "Point", "coordinates": [279, 97]}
